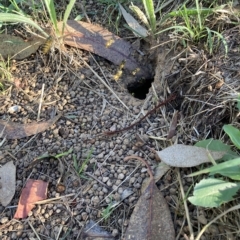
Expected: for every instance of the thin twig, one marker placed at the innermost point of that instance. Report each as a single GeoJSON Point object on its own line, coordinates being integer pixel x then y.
{"type": "Point", "coordinates": [53, 199]}
{"type": "Point", "coordinates": [33, 230]}
{"type": "Point", "coordinates": [144, 162]}
{"type": "Point", "coordinates": [215, 219]}
{"type": "Point", "coordinates": [185, 206]}
{"type": "Point", "coordinates": [109, 133]}
{"type": "Point", "coordinates": [40, 103]}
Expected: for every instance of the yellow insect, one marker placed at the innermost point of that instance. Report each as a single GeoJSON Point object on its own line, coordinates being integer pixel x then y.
{"type": "Point", "coordinates": [47, 45]}
{"type": "Point", "coordinates": [119, 71]}
{"type": "Point", "coordinates": [122, 64]}
{"type": "Point", "coordinates": [118, 75]}
{"type": "Point", "coordinates": [134, 72]}
{"type": "Point", "coordinates": [109, 43]}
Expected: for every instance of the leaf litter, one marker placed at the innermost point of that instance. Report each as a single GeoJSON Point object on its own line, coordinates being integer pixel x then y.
{"type": "Point", "coordinates": [7, 183]}
{"type": "Point", "coordinates": [35, 190]}
{"type": "Point", "coordinates": [151, 218]}
{"type": "Point", "coordinates": [150, 180]}
{"type": "Point", "coordinates": [100, 41]}
{"type": "Point", "coordinates": [12, 130]}
{"type": "Point", "coordinates": [180, 155]}
{"type": "Point", "coordinates": [16, 48]}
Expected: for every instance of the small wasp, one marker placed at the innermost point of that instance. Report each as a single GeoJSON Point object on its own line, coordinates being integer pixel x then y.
{"type": "Point", "coordinates": [109, 43]}
{"type": "Point", "coordinates": [134, 72]}
{"type": "Point", "coordinates": [117, 75]}
{"type": "Point", "coordinates": [119, 71]}
{"type": "Point", "coordinates": [47, 45]}
{"type": "Point", "coordinates": [122, 65]}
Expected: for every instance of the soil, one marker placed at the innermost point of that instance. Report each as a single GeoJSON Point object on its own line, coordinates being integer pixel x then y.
{"type": "Point", "coordinates": [205, 87]}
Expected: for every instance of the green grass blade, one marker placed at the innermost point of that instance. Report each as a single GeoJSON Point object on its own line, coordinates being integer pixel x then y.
{"type": "Point", "coordinates": [192, 12]}
{"type": "Point", "coordinates": [85, 161]}
{"type": "Point", "coordinates": [67, 12]}
{"type": "Point", "coordinates": [16, 18]}
{"type": "Point", "coordinates": [199, 15]}
{"type": "Point", "coordinates": [179, 28]}
{"type": "Point", "coordinates": [75, 164]}
{"type": "Point", "coordinates": [209, 40]}
{"type": "Point", "coordinates": [52, 13]}
{"type": "Point", "coordinates": [149, 8]}
{"type": "Point", "coordinates": [220, 36]}
{"type": "Point", "coordinates": [64, 153]}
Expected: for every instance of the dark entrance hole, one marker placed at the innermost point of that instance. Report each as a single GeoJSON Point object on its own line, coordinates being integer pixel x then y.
{"type": "Point", "coordinates": [140, 88]}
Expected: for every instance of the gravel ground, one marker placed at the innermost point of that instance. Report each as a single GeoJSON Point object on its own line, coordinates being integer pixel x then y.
{"type": "Point", "coordinates": [88, 109]}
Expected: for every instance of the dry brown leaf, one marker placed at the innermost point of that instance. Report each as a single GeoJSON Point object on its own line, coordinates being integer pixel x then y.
{"type": "Point", "coordinates": [160, 226]}
{"type": "Point", "coordinates": [7, 183]}
{"type": "Point", "coordinates": [100, 41]}
{"type": "Point", "coordinates": [35, 190]}
{"type": "Point", "coordinates": [16, 48]}
{"type": "Point", "coordinates": [173, 126]}
{"type": "Point", "coordinates": [13, 130]}
{"type": "Point", "coordinates": [151, 218]}
{"type": "Point", "coordinates": [180, 155]}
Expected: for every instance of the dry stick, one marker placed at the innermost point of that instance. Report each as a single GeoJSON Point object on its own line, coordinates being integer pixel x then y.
{"type": "Point", "coordinates": [144, 162]}
{"type": "Point", "coordinates": [33, 230]}
{"type": "Point", "coordinates": [185, 206]}
{"type": "Point", "coordinates": [152, 181]}
{"type": "Point", "coordinates": [40, 103]}
{"type": "Point", "coordinates": [215, 219]}
{"type": "Point", "coordinates": [109, 133]}
{"type": "Point", "coordinates": [53, 199]}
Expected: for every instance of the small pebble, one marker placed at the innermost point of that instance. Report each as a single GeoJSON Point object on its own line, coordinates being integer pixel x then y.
{"type": "Point", "coordinates": [4, 220]}
{"type": "Point", "coordinates": [202, 219]}
{"type": "Point", "coordinates": [121, 176]}
{"type": "Point", "coordinates": [114, 232]}
{"type": "Point", "coordinates": [105, 179]}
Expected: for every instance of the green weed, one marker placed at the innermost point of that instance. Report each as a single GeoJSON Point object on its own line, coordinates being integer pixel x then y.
{"type": "Point", "coordinates": [14, 14]}
{"type": "Point", "coordinates": [217, 189]}
{"type": "Point", "coordinates": [80, 168]}
{"type": "Point", "coordinates": [106, 212]}
{"type": "Point", "coordinates": [192, 26]}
